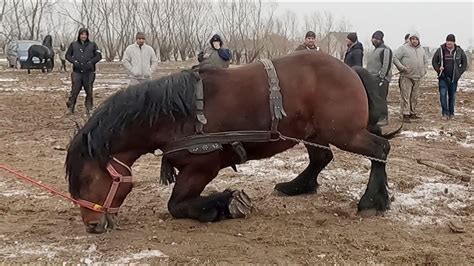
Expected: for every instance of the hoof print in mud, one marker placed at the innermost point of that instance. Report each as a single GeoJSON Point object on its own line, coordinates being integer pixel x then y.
{"type": "Point", "coordinates": [240, 205]}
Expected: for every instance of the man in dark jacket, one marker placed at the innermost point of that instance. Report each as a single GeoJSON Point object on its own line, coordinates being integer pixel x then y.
{"type": "Point", "coordinates": [309, 42]}
{"type": "Point", "coordinates": [450, 62]}
{"type": "Point", "coordinates": [355, 51]}
{"type": "Point", "coordinates": [83, 55]}
{"type": "Point", "coordinates": [215, 55]}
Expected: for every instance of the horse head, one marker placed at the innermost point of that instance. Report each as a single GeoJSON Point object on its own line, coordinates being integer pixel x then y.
{"type": "Point", "coordinates": [124, 127]}
{"type": "Point", "coordinates": [48, 41]}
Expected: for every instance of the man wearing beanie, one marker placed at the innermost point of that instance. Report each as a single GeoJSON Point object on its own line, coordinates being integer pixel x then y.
{"type": "Point", "coordinates": [139, 59]}
{"type": "Point", "coordinates": [411, 61]}
{"type": "Point", "coordinates": [450, 62]}
{"type": "Point", "coordinates": [309, 42]}
{"type": "Point", "coordinates": [379, 64]}
{"type": "Point", "coordinates": [355, 51]}
{"type": "Point", "coordinates": [215, 55]}
{"type": "Point", "coordinates": [83, 54]}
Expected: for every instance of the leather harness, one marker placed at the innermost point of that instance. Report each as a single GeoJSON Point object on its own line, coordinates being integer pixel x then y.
{"type": "Point", "coordinates": [202, 142]}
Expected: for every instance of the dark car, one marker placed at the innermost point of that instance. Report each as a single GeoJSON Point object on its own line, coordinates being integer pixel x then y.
{"type": "Point", "coordinates": [20, 49]}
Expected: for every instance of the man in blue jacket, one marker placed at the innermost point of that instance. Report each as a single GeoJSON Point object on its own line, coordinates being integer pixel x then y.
{"type": "Point", "coordinates": [83, 54]}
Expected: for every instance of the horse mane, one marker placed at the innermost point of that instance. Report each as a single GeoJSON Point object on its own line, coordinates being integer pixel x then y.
{"type": "Point", "coordinates": [48, 41]}
{"type": "Point", "coordinates": [141, 106]}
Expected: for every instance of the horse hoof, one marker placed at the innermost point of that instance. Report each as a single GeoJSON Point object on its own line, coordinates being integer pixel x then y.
{"type": "Point", "coordinates": [368, 213]}
{"type": "Point", "coordinates": [240, 205]}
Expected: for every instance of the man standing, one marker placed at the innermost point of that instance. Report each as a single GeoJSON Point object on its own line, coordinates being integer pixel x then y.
{"type": "Point", "coordinates": [62, 57]}
{"type": "Point", "coordinates": [309, 42]}
{"type": "Point", "coordinates": [355, 51]}
{"type": "Point", "coordinates": [12, 54]}
{"type": "Point", "coordinates": [450, 62]}
{"type": "Point", "coordinates": [215, 55]}
{"type": "Point", "coordinates": [84, 55]}
{"type": "Point", "coordinates": [411, 61]}
{"type": "Point", "coordinates": [140, 60]}
{"type": "Point", "coordinates": [379, 64]}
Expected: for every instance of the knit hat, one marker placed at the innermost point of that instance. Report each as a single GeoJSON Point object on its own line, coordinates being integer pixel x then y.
{"type": "Point", "coordinates": [352, 37]}
{"type": "Point", "coordinates": [140, 35]}
{"type": "Point", "coordinates": [378, 35]}
{"type": "Point", "coordinates": [310, 34]}
{"type": "Point", "coordinates": [451, 38]}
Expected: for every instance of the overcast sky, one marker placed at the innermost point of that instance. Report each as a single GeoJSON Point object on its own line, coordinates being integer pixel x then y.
{"type": "Point", "coordinates": [432, 20]}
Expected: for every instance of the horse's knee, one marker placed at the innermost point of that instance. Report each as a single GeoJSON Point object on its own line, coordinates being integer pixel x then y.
{"type": "Point", "coordinates": [175, 210]}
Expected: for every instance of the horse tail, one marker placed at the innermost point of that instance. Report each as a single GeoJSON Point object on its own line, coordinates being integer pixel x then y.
{"type": "Point", "coordinates": [377, 104]}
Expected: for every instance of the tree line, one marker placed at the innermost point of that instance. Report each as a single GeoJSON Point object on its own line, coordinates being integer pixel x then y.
{"type": "Point", "coordinates": [177, 29]}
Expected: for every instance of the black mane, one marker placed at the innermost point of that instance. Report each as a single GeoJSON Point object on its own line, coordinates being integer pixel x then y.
{"type": "Point", "coordinates": [137, 106]}
{"type": "Point", "coordinates": [48, 41]}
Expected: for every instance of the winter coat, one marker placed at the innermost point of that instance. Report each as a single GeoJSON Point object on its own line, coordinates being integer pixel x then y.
{"type": "Point", "coordinates": [140, 62]}
{"type": "Point", "coordinates": [354, 55]}
{"type": "Point", "coordinates": [83, 55]}
{"type": "Point", "coordinates": [412, 62]}
{"type": "Point", "coordinates": [214, 58]}
{"type": "Point", "coordinates": [303, 47]}
{"type": "Point", "coordinates": [460, 63]}
{"type": "Point", "coordinates": [379, 63]}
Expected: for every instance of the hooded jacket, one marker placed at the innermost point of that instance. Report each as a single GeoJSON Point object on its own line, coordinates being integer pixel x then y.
{"type": "Point", "coordinates": [460, 63]}
{"type": "Point", "coordinates": [83, 55]}
{"type": "Point", "coordinates": [140, 62]}
{"type": "Point", "coordinates": [354, 55]}
{"type": "Point", "coordinates": [211, 57]}
{"type": "Point", "coordinates": [411, 61]}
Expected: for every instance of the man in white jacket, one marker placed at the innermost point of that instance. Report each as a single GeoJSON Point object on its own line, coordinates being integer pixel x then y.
{"type": "Point", "coordinates": [140, 60]}
{"type": "Point", "coordinates": [411, 61]}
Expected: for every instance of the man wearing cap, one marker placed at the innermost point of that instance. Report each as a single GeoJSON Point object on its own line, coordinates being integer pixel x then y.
{"type": "Point", "coordinates": [139, 59]}
{"type": "Point", "coordinates": [450, 62]}
{"type": "Point", "coordinates": [83, 54]}
{"type": "Point", "coordinates": [309, 42]}
{"type": "Point", "coordinates": [411, 61]}
{"type": "Point", "coordinates": [355, 51]}
{"type": "Point", "coordinates": [379, 64]}
{"type": "Point", "coordinates": [215, 55]}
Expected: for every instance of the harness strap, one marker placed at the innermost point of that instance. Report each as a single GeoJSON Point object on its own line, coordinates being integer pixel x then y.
{"type": "Point", "coordinates": [276, 100]}
{"type": "Point", "coordinates": [201, 118]}
{"type": "Point", "coordinates": [220, 138]}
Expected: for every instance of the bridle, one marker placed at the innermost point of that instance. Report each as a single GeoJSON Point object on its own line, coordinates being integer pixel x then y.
{"type": "Point", "coordinates": [117, 178]}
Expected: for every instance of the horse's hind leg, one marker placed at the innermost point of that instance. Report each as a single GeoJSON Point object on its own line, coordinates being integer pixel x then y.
{"type": "Point", "coordinates": [306, 182]}
{"type": "Point", "coordinates": [186, 200]}
{"type": "Point", "coordinates": [376, 196]}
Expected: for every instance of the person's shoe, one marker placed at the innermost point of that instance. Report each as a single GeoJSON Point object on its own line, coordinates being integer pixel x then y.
{"type": "Point", "coordinates": [406, 119]}
{"type": "Point", "coordinates": [382, 122]}
{"type": "Point", "coordinates": [444, 117]}
{"type": "Point", "coordinates": [451, 117]}
{"type": "Point", "coordinates": [415, 116]}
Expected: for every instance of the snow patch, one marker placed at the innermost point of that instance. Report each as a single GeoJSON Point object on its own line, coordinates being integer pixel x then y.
{"type": "Point", "coordinates": [145, 254]}
{"type": "Point", "coordinates": [430, 203]}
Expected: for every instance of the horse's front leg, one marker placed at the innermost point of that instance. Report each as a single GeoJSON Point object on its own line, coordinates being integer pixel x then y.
{"type": "Point", "coordinates": [186, 200]}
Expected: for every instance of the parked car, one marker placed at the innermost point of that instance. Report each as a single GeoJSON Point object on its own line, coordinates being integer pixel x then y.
{"type": "Point", "coordinates": [20, 49]}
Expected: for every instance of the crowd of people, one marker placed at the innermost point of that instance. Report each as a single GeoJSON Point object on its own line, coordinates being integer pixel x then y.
{"type": "Point", "coordinates": [410, 59]}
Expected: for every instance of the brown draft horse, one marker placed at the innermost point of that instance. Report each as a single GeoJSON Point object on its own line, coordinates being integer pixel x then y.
{"type": "Point", "coordinates": [326, 103]}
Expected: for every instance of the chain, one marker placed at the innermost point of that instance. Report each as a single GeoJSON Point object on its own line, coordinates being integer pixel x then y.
{"type": "Point", "coordinates": [324, 147]}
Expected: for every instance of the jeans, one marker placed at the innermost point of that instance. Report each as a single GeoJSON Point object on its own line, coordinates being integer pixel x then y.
{"type": "Point", "coordinates": [447, 96]}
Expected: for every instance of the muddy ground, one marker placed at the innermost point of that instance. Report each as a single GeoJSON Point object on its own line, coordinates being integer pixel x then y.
{"type": "Point", "coordinates": [319, 228]}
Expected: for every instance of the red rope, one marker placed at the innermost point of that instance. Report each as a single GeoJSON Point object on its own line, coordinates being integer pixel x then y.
{"type": "Point", "coordinates": [39, 184]}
